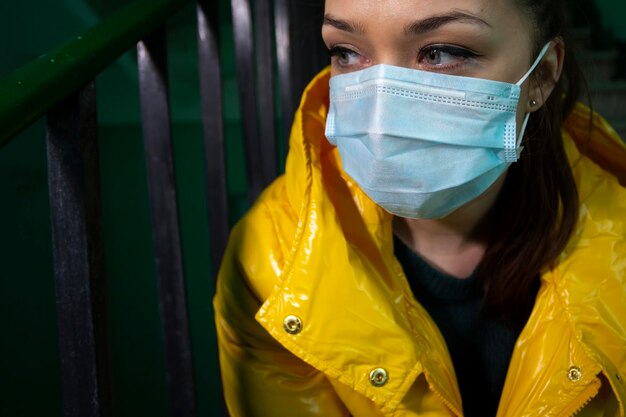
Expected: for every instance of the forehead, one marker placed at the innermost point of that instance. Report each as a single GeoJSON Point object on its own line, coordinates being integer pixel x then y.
{"type": "Point", "coordinates": [369, 14]}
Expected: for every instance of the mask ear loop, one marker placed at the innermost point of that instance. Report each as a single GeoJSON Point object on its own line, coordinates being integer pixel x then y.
{"type": "Point", "coordinates": [545, 48]}
{"type": "Point", "coordinates": [534, 65]}
{"type": "Point", "coordinates": [521, 134]}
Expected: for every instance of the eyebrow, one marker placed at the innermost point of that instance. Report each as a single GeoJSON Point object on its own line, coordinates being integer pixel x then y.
{"type": "Point", "coordinates": [416, 28]}
{"type": "Point", "coordinates": [435, 22]}
{"type": "Point", "coordinates": [344, 25]}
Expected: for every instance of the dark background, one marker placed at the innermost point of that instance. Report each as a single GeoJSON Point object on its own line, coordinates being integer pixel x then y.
{"type": "Point", "coordinates": [29, 365]}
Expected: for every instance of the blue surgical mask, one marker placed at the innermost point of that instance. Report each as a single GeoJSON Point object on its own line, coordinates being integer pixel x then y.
{"type": "Point", "coordinates": [422, 144]}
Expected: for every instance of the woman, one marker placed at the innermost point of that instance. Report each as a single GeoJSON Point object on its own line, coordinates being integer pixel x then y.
{"type": "Point", "coordinates": [443, 243]}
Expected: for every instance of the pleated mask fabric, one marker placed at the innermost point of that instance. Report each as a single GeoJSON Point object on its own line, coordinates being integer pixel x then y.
{"type": "Point", "coordinates": [422, 144]}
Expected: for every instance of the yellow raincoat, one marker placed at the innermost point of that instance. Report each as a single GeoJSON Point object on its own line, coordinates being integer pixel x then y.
{"type": "Point", "coordinates": [316, 318]}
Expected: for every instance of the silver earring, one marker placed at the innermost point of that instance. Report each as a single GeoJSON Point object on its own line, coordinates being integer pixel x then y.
{"type": "Point", "coordinates": [532, 103]}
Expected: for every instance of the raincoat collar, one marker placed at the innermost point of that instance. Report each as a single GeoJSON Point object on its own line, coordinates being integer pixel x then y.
{"type": "Point", "coordinates": [374, 322]}
{"type": "Point", "coordinates": [369, 294]}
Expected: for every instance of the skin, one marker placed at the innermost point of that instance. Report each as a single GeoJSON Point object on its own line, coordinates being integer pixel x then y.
{"type": "Point", "coordinates": [435, 35]}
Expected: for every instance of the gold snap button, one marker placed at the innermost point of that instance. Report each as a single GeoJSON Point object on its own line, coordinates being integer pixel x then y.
{"type": "Point", "coordinates": [378, 377]}
{"type": "Point", "coordinates": [574, 374]}
{"type": "Point", "coordinates": [292, 324]}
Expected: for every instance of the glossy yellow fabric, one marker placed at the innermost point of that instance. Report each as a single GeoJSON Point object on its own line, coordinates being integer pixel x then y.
{"type": "Point", "coordinates": [316, 247]}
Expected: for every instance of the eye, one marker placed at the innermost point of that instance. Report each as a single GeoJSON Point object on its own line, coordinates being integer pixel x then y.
{"type": "Point", "coordinates": [344, 57]}
{"type": "Point", "coordinates": [437, 57]}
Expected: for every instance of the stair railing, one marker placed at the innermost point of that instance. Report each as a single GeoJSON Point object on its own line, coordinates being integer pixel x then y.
{"type": "Point", "coordinates": [60, 86]}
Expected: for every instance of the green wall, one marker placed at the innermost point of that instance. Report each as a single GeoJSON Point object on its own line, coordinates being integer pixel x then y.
{"type": "Point", "coordinates": [613, 14]}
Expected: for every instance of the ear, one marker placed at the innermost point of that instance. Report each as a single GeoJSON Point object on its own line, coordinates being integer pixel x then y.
{"type": "Point", "coordinates": [546, 75]}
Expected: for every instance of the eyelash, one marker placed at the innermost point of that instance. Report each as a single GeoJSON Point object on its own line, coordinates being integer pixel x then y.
{"type": "Point", "coordinates": [455, 51]}
{"type": "Point", "coordinates": [458, 52]}
{"type": "Point", "coordinates": [335, 51]}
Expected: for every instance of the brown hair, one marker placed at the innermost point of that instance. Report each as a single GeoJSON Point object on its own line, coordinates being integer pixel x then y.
{"type": "Point", "coordinates": [537, 209]}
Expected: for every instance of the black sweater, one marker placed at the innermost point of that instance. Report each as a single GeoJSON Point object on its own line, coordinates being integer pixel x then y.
{"type": "Point", "coordinates": [480, 346]}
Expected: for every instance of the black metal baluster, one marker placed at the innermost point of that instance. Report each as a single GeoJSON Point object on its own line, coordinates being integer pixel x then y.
{"type": "Point", "coordinates": [153, 84]}
{"type": "Point", "coordinates": [213, 129]}
{"type": "Point", "coordinates": [308, 54]}
{"type": "Point", "coordinates": [283, 57]}
{"type": "Point", "coordinates": [214, 151]}
{"type": "Point", "coordinates": [265, 81]}
{"type": "Point", "coordinates": [246, 76]}
{"type": "Point", "coordinates": [74, 189]}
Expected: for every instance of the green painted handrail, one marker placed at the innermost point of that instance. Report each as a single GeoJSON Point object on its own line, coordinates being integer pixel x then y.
{"type": "Point", "coordinates": [32, 90]}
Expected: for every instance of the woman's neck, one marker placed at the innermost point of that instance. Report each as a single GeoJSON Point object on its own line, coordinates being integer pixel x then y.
{"type": "Point", "coordinates": [454, 244]}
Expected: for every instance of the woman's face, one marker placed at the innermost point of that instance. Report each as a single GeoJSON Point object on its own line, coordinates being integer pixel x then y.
{"type": "Point", "coordinates": [489, 39]}
{"type": "Point", "coordinates": [476, 38]}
